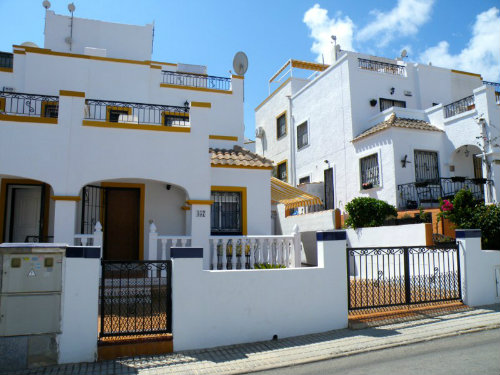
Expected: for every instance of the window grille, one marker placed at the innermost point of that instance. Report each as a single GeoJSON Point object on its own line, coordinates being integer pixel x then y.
{"type": "Point", "coordinates": [426, 166]}
{"type": "Point", "coordinates": [226, 215]}
{"type": "Point", "coordinates": [282, 175]}
{"type": "Point", "coordinates": [370, 171]}
{"type": "Point", "coordinates": [281, 126]}
{"type": "Point", "coordinates": [388, 103]}
{"type": "Point", "coordinates": [302, 136]}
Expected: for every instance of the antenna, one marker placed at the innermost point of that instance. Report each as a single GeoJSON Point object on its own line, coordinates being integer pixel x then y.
{"type": "Point", "coordinates": [69, 40]}
{"type": "Point", "coordinates": [404, 53]}
{"type": "Point", "coordinates": [240, 63]}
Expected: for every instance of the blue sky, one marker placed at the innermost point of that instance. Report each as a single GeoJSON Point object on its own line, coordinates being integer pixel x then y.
{"type": "Point", "coordinates": [460, 34]}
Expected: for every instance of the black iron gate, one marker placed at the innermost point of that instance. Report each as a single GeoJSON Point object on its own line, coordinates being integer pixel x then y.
{"type": "Point", "coordinates": [135, 298]}
{"type": "Point", "coordinates": [391, 276]}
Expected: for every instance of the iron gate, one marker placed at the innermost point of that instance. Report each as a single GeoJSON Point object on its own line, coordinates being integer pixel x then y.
{"type": "Point", "coordinates": [391, 276]}
{"type": "Point", "coordinates": [135, 298]}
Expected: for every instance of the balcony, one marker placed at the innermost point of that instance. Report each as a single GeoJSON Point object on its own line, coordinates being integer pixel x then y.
{"type": "Point", "coordinates": [382, 67]}
{"type": "Point", "coordinates": [18, 106]}
{"type": "Point", "coordinates": [460, 106]}
{"type": "Point", "coordinates": [196, 80]}
{"type": "Point", "coordinates": [120, 114]}
{"type": "Point", "coordinates": [6, 61]}
{"type": "Point", "coordinates": [416, 194]}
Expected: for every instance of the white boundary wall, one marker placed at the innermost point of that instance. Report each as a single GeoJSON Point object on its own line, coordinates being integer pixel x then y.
{"type": "Point", "coordinates": [213, 308]}
{"type": "Point", "coordinates": [394, 235]}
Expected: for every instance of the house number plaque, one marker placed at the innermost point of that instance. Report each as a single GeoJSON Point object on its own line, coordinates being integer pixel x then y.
{"type": "Point", "coordinates": [201, 213]}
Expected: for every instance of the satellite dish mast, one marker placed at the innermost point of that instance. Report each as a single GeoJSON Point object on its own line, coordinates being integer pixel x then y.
{"type": "Point", "coordinates": [69, 40]}
{"type": "Point", "coordinates": [404, 54]}
{"type": "Point", "coordinates": [46, 5]}
{"type": "Point", "coordinates": [240, 66]}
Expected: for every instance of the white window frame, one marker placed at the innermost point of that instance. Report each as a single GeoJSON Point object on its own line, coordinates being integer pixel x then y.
{"type": "Point", "coordinates": [362, 155]}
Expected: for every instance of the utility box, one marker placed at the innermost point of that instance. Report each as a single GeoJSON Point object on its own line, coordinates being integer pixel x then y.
{"type": "Point", "coordinates": [30, 288]}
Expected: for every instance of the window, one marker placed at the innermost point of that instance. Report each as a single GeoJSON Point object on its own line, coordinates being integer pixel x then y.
{"type": "Point", "coordinates": [282, 171]}
{"type": "Point", "coordinates": [302, 136]}
{"type": "Point", "coordinates": [175, 119]}
{"type": "Point", "coordinates": [305, 180]}
{"type": "Point", "coordinates": [50, 109]}
{"type": "Point", "coordinates": [369, 172]}
{"type": "Point", "coordinates": [281, 125]}
{"type": "Point", "coordinates": [226, 213]}
{"type": "Point", "coordinates": [426, 166]}
{"type": "Point", "coordinates": [388, 103]}
{"type": "Point", "coordinates": [113, 113]}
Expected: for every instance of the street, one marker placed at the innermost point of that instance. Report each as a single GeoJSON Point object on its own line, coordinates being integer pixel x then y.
{"type": "Point", "coordinates": [473, 353]}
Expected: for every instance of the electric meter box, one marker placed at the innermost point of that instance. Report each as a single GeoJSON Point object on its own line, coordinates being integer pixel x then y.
{"type": "Point", "coordinates": [30, 288]}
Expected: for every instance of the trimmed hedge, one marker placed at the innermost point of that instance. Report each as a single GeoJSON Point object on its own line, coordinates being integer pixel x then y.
{"type": "Point", "coordinates": [368, 212]}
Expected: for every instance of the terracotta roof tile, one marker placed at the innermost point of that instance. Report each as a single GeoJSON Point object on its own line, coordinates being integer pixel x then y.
{"type": "Point", "coordinates": [398, 122]}
{"type": "Point", "coordinates": [238, 156]}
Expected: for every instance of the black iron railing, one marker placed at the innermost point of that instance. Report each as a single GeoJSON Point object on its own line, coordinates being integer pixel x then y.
{"type": "Point", "coordinates": [459, 106]}
{"type": "Point", "coordinates": [18, 103]}
{"type": "Point", "coordinates": [382, 67]}
{"type": "Point", "coordinates": [137, 113]}
{"type": "Point", "coordinates": [196, 80]}
{"type": "Point", "coordinates": [416, 194]}
{"type": "Point", "coordinates": [6, 60]}
{"type": "Point", "coordinates": [135, 298]}
{"type": "Point", "coordinates": [391, 276]}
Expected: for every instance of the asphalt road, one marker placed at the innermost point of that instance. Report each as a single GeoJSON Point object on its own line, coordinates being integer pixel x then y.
{"type": "Point", "coordinates": [474, 353]}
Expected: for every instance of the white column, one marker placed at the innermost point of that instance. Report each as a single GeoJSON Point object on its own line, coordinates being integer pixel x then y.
{"type": "Point", "coordinates": [297, 248]}
{"type": "Point", "coordinates": [200, 230]}
{"type": "Point", "coordinates": [153, 242]}
{"type": "Point", "coordinates": [64, 220]}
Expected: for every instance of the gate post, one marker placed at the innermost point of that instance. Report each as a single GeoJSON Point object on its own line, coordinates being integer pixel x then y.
{"type": "Point", "coordinates": [407, 276]}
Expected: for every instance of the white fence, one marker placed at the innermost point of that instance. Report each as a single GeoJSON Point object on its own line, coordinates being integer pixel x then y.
{"type": "Point", "coordinates": [94, 239]}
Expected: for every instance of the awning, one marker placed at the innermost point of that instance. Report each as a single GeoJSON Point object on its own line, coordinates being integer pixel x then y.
{"type": "Point", "coordinates": [291, 197]}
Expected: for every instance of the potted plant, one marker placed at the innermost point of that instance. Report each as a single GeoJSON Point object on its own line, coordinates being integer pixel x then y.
{"type": "Point", "coordinates": [367, 185]}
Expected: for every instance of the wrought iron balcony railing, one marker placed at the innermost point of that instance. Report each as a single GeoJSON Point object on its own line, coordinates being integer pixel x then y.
{"type": "Point", "coordinates": [6, 60]}
{"type": "Point", "coordinates": [416, 194]}
{"type": "Point", "coordinates": [196, 80]}
{"type": "Point", "coordinates": [136, 113]}
{"type": "Point", "coordinates": [382, 67]}
{"type": "Point", "coordinates": [462, 105]}
{"type": "Point", "coordinates": [22, 104]}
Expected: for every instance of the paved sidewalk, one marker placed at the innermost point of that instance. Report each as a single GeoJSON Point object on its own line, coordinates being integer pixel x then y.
{"type": "Point", "coordinates": [246, 358]}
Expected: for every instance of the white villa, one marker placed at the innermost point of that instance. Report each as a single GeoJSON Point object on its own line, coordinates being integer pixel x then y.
{"type": "Point", "coordinates": [402, 132]}
{"type": "Point", "coordinates": [93, 131]}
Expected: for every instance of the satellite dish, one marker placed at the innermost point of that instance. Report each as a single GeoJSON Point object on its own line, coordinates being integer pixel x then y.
{"type": "Point", "coordinates": [71, 7]}
{"type": "Point", "coordinates": [29, 44]}
{"type": "Point", "coordinates": [46, 4]}
{"type": "Point", "coordinates": [404, 53]}
{"type": "Point", "coordinates": [240, 63]}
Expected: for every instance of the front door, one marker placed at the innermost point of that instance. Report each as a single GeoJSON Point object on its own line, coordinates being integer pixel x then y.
{"type": "Point", "coordinates": [26, 213]}
{"type": "Point", "coordinates": [121, 229]}
{"type": "Point", "coordinates": [328, 178]}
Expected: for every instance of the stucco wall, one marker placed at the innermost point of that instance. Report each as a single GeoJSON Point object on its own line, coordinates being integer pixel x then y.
{"type": "Point", "coordinates": [397, 235]}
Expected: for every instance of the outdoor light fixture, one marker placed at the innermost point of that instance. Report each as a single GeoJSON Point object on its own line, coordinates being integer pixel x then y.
{"type": "Point", "coordinates": [186, 104]}
{"type": "Point", "coordinates": [466, 152]}
{"type": "Point", "coordinates": [169, 186]}
{"type": "Point", "coordinates": [373, 102]}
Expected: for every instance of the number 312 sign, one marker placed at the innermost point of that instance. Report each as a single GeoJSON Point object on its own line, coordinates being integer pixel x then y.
{"type": "Point", "coordinates": [201, 213]}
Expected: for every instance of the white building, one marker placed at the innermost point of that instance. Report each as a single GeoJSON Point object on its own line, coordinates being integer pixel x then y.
{"type": "Point", "coordinates": [403, 132]}
{"type": "Point", "coordinates": [92, 130]}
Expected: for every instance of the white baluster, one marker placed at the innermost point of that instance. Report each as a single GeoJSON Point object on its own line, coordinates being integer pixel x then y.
{"type": "Point", "coordinates": [184, 242]}
{"type": "Point", "coordinates": [224, 257]}
{"type": "Point", "coordinates": [287, 244]}
{"type": "Point", "coordinates": [251, 260]}
{"type": "Point", "coordinates": [214, 254]}
{"type": "Point", "coordinates": [83, 241]}
{"type": "Point", "coordinates": [233, 255]}
{"type": "Point", "coordinates": [296, 247]}
{"type": "Point", "coordinates": [279, 249]}
{"type": "Point", "coordinates": [257, 251]}
{"type": "Point", "coordinates": [163, 254]}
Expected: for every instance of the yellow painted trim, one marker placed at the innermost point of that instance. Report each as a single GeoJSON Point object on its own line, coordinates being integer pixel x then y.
{"type": "Point", "coordinates": [3, 198]}
{"type": "Point", "coordinates": [7, 70]}
{"type": "Point", "coordinates": [121, 125]}
{"type": "Point", "coordinates": [286, 124]}
{"type": "Point", "coordinates": [155, 66]}
{"type": "Point", "coordinates": [466, 73]}
{"type": "Point", "coordinates": [199, 201]}
{"type": "Point", "coordinates": [309, 65]}
{"type": "Point", "coordinates": [223, 137]}
{"type": "Point", "coordinates": [243, 191]}
{"type": "Point", "coordinates": [240, 166]}
{"type": "Point", "coordinates": [161, 63]}
{"type": "Point", "coordinates": [280, 70]}
{"type": "Point", "coordinates": [195, 88]}
{"type": "Point", "coordinates": [182, 114]}
{"type": "Point", "coordinates": [45, 104]}
{"type": "Point", "coordinates": [141, 188]}
{"type": "Point", "coordinates": [286, 169]}
{"type": "Point", "coordinates": [18, 52]}
{"type": "Point", "coordinates": [78, 94]}
{"type": "Point", "coordinates": [237, 77]}
{"type": "Point", "coordinates": [110, 108]}
{"type": "Point", "coordinates": [2, 104]}
{"type": "Point", "coordinates": [40, 120]}
{"type": "Point", "coordinates": [74, 198]}
{"type": "Point", "coordinates": [201, 104]}
{"type": "Point", "coordinates": [185, 208]}
{"type": "Point", "coordinates": [272, 94]}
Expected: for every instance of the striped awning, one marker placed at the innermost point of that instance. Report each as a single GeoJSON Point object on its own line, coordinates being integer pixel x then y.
{"type": "Point", "coordinates": [291, 197]}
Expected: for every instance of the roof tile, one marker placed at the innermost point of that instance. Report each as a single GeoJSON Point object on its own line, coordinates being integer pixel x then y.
{"type": "Point", "coordinates": [238, 156]}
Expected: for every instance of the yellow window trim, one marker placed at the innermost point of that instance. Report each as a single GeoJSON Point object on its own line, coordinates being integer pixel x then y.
{"type": "Point", "coordinates": [178, 114]}
{"type": "Point", "coordinates": [286, 169]}
{"type": "Point", "coordinates": [201, 104]}
{"type": "Point", "coordinates": [78, 94]}
{"type": "Point", "coordinates": [199, 201]}
{"type": "Point", "coordinates": [240, 166]}
{"type": "Point", "coordinates": [74, 198]}
{"type": "Point", "coordinates": [110, 108]}
{"type": "Point", "coordinates": [272, 94]}
{"type": "Point", "coordinates": [467, 73]}
{"type": "Point", "coordinates": [7, 70]}
{"type": "Point", "coordinates": [243, 191]}
{"type": "Point", "coordinates": [161, 63]}
{"type": "Point", "coordinates": [3, 199]}
{"type": "Point", "coordinates": [121, 125]}
{"type": "Point", "coordinates": [223, 137]}
{"type": "Point", "coordinates": [167, 85]}
{"type": "Point", "coordinates": [141, 188]}
{"type": "Point", "coordinates": [39, 120]}
{"type": "Point", "coordinates": [45, 103]}
{"type": "Point", "coordinates": [286, 125]}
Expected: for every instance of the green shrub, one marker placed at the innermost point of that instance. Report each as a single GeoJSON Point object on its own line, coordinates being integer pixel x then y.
{"type": "Point", "coordinates": [267, 266]}
{"type": "Point", "coordinates": [368, 212]}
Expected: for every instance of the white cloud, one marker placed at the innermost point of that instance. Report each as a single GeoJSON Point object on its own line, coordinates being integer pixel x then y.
{"type": "Point", "coordinates": [482, 54]}
{"type": "Point", "coordinates": [403, 20]}
{"type": "Point", "coordinates": [323, 27]}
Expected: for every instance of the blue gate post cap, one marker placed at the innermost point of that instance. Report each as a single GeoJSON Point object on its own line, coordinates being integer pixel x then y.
{"type": "Point", "coordinates": [83, 252]}
{"type": "Point", "coordinates": [468, 233]}
{"type": "Point", "coordinates": [186, 252]}
{"type": "Point", "coordinates": [336, 235]}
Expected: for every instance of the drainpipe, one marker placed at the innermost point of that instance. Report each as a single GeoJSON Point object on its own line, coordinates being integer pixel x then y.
{"type": "Point", "coordinates": [293, 181]}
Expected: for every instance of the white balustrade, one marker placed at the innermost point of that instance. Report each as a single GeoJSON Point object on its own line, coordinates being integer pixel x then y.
{"type": "Point", "coordinates": [166, 243]}
{"type": "Point", "coordinates": [94, 239]}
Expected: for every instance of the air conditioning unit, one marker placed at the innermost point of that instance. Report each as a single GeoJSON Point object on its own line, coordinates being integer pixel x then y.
{"type": "Point", "coordinates": [259, 132]}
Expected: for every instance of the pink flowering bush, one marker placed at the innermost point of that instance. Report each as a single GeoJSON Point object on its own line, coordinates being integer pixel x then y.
{"type": "Point", "coordinates": [446, 206]}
